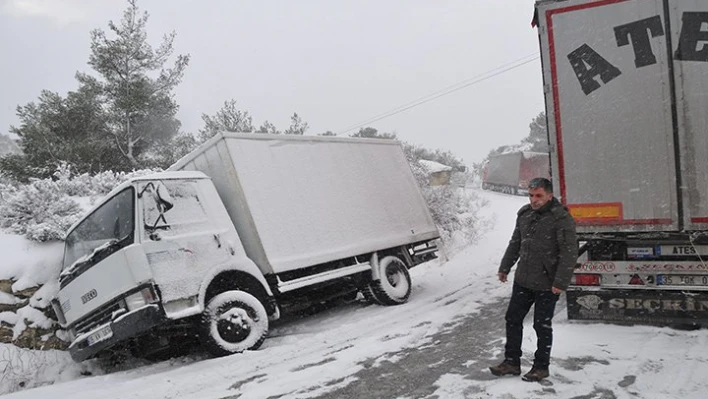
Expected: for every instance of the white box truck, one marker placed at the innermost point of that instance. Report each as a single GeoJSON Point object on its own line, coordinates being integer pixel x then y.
{"type": "Point", "coordinates": [241, 227]}
{"type": "Point", "coordinates": [626, 88]}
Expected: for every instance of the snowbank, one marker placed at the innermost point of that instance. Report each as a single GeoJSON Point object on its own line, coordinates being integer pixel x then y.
{"type": "Point", "coordinates": [29, 263]}
{"type": "Point", "coordinates": [24, 368]}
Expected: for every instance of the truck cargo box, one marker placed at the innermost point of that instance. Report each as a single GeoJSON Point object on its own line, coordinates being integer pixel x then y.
{"type": "Point", "coordinates": [297, 201]}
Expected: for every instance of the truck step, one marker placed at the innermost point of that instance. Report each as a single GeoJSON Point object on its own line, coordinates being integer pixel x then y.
{"type": "Point", "coordinates": [306, 281]}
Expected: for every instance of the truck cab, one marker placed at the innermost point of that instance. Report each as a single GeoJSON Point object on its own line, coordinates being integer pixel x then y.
{"type": "Point", "coordinates": [151, 254]}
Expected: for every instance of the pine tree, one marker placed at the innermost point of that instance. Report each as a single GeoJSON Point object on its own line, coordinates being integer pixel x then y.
{"type": "Point", "coordinates": [140, 108]}
{"type": "Point", "coordinates": [268, 127]}
{"type": "Point", "coordinates": [297, 126]}
{"type": "Point", "coordinates": [227, 119]}
{"type": "Point", "coordinates": [110, 120]}
{"type": "Point", "coordinates": [538, 134]}
{"type": "Point", "coordinates": [59, 129]}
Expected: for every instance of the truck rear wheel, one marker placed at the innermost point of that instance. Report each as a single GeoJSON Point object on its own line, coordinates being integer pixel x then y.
{"type": "Point", "coordinates": [233, 321]}
{"type": "Point", "coordinates": [368, 291]}
{"type": "Point", "coordinates": [394, 286]}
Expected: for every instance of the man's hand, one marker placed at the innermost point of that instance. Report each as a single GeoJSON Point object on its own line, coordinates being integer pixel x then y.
{"type": "Point", "coordinates": [502, 277]}
{"type": "Point", "coordinates": [556, 291]}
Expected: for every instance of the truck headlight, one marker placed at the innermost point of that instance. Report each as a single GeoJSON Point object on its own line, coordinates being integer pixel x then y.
{"type": "Point", "coordinates": [139, 299]}
{"type": "Point", "coordinates": [59, 312]}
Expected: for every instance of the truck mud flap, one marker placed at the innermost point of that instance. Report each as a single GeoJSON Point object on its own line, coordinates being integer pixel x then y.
{"type": "Point", "coordinates": [642, 307]}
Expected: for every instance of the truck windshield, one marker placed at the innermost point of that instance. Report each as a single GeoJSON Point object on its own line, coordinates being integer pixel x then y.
{"type": "Point", "coordinates": [113, 222]}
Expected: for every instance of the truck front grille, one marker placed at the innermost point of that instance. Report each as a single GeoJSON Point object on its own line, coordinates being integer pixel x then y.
{"type": "Point", "coordinates": [100, 316]}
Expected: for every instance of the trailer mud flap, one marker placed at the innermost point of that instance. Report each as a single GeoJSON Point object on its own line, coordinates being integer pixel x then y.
{"type": "Point", "coordinates": [646, 307]}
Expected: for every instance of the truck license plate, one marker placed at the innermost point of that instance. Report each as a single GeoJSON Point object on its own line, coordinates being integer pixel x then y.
{"type": "Point", "coordinates": [677, 279]}
{"type": "Point", "coordinates": [100, 335]}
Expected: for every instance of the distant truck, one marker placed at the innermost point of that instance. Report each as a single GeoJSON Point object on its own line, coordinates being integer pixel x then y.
{"type": "Point", "coordinates": [626, 84]}
{"type": "Point", "coordinates": [244, 226]}
{"type": "Point", "coordinates": [510, 173]}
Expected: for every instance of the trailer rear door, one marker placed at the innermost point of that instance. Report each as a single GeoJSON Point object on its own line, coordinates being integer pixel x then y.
{"type": "Point", "coordinates": [609, 105]}
{"type": "Point", "coordinates": [689, 19]}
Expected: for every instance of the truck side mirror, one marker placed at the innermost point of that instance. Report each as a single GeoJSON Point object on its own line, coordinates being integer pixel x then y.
{"type": "Point", "coordinates": [163, 198]}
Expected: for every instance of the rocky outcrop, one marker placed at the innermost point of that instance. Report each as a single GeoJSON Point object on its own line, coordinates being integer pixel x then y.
{"type": "Point", "coordinates": [30, 333]}
{"type": "Point", "coordinates": [6, 286]}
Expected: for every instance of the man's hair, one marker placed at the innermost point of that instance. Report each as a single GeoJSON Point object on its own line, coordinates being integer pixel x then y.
{"type": "Point", "coordinates": [541, 182]}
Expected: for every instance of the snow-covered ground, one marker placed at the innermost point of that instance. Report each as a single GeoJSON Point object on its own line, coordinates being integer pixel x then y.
{"type": "Point", "coordinates": [311, 356]}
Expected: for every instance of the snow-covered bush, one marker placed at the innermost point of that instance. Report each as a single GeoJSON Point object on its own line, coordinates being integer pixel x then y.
{"type": "Point", "coordinates": [44, 209]}
{"type": "Point", "coordinates": [22, 369]}
{"type": "Point", "coordinates": [84, 185]}
{"type": "Point", "coordinates": [39, 211]}
{"type": "Point", "coordinates": [455, 212]}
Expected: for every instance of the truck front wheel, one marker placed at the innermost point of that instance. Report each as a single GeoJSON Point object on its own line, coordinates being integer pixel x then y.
{"type": "Point", "coordinates": [394, 285]}
{"type": "Point", "coordinates": [233, 321]}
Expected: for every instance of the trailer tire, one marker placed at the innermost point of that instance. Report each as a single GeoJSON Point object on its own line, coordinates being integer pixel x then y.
{"type": "Point", "coordinates": [394, 286]}
{"type": "Point", "coordinates": [232, 322]}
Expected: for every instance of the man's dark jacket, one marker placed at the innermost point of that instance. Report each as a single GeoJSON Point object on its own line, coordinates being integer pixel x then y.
{"type": "Point", "coordinates": [545, 245]}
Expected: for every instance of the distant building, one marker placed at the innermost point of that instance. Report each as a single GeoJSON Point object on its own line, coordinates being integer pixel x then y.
{"type": "Point", "coordinates": [438, 174]}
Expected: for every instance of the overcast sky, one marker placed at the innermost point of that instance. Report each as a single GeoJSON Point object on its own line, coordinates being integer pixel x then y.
{"type": "Point", "coordinates": [335, 63]}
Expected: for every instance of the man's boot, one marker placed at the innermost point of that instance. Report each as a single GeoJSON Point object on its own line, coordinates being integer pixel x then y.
{"type": "Point", "coordinates": [536, 374]}
{"type": "Point", "coordinates": [506, 367]}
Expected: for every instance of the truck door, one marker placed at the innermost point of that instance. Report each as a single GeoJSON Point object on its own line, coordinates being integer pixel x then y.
{"type": "Point", "coordinates": [179, 238]}
{"type": "Point", "coordinates": [607, 79]}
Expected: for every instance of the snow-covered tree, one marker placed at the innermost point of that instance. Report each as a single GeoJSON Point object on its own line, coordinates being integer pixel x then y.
{"type": "Point", "coordinates": [227, 119]}
{"type": "Point", "coordinates": [164, 156]}
{"type": "Point", "coordinates": [537, 140]}
{"type": "Point", "coordinates": [136, 87]}
{"type": "Point", "coordinates": [455, 212]}
{"type": "Point", "coordinates": [114, 117]}
{"type": "Point", "coordinates": [59, 129]}
{"type": "Point", "coordinates": [297, 126]}
{"type": "Point", "coordinates": [8, 145]}
{"type": "Point", "coordinates": [370, 132]}
{"type": "Point", "coordinates": [268, 127]}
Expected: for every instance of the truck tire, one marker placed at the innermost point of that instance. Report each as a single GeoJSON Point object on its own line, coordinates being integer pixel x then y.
{"type": "Point", "coordinates": [394, 286]}
{"type": "Point", "coordinates": [368, 292]}
{"type": "Point", "coordinates": [232, 322]}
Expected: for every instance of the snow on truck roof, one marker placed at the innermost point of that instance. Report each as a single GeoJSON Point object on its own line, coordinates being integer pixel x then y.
{"type": "Point", "coordinates": [276, 139]}
{"type": "Point", "coordinates": [170, 175]}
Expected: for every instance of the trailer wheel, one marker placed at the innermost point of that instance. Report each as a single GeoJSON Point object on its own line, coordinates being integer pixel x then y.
{"type": "Point", "coordinates": [233, 321]}
{"type": "Point", "coordinates": [394, 286]}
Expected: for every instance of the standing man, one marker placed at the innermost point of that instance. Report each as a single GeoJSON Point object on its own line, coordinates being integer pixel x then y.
{"type": "Point", "coordinates": [545, 245]}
